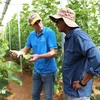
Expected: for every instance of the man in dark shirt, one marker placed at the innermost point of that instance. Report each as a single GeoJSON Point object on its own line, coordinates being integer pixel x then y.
{"type": "Point", "coordinates": [81, 57]}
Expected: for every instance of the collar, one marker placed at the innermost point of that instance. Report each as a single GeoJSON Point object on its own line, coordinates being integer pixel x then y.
{"type": "Point", "coordinates": [71, 32]}
{"type": "Point", "coordinates": [42, 32]}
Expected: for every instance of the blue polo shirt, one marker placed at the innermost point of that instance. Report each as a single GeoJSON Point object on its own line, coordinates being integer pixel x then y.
{"type": "Point", "coordinates": [42, 44]}
{"type": "Point", "coordinates": [80, 56]}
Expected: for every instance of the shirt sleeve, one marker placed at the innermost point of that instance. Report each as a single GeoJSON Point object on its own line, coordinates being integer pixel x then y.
{"type": "Point", "coordinates": [93, 56]}
{"type": "Point", "coordinates": [91, 52]}
{"type": "Point", "coordinates": [51, 40]}
{"type": "Point", "coordinates": [28, 43]}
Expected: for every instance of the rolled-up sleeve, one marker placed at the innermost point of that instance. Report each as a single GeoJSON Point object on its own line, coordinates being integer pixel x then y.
{"type": "Point", "coordinates": [93, 56]}
{"type": "Point", "coordinates": [91, 53]}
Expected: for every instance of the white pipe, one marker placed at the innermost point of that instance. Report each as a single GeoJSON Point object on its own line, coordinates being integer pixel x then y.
{"type": "Point", "coordinates": [19, 35]}
{"type": "Point", "coordinates": [9, 39]}
{"type": "Point", "coordinates": [63, 5]}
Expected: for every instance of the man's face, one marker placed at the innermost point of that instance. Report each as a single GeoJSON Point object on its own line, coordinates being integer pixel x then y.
{"type": "Point", "coordinates": [38, 26]}
{"type": "Point", "coordinates": [60, 24]}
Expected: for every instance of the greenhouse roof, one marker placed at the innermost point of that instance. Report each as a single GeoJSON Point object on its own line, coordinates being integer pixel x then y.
{"type": "Point", "coordinates": [8, 8]}
{"type": "Point", "coordinates": [3, 8]}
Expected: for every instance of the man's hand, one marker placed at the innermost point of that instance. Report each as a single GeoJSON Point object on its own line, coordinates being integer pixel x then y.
{"type": "Point", "coordinates": [34, 57]}
{"type": "Point", "coordinates": [15, 53]}
{"type": "Point", "coordinates": [79, 84]}
{"type": "Point", "coordinates": [76, 85]}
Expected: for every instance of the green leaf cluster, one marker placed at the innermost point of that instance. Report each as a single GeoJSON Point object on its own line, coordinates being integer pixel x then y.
{"type": "Point", "coordinates": [98, 97]}
{"type": "Point", "coordinates": [87, 17]}
{"type": "Point", "coordinates": [7, 70]}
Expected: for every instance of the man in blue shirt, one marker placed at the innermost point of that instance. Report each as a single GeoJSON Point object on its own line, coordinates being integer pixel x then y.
{"type": "Point", "coordinates": [81, 56]}
{"type": "Point", "coordinates": [43, 43]}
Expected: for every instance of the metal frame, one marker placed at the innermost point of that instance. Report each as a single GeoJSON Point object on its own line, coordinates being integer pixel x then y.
{"type": "Point", "coordinates": [4, 10]}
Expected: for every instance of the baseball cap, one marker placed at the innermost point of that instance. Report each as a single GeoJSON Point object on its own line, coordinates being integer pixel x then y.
{"type": "Point", "coordinates": [33, 18]}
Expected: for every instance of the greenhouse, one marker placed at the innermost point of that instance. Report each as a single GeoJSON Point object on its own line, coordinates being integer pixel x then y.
{"type": "Point", "coordinates": [16, 31]}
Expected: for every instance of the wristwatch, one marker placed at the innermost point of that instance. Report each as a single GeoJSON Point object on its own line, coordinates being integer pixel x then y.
{"type": "Point", "coordinates": [81, 83]}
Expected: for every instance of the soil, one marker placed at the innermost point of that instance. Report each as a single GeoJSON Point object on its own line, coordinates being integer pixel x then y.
{"type": "Point", "coordinates": [96, 83]}
{"type": "Point", "coordinates": [24, 92]}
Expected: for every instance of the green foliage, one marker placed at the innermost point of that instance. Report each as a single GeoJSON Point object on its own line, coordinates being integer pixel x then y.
{"type": "Point", "coordinates": [13, 77]}
{"type": "Point", "coordinates": [98, 87]}
{"type": "Point", "coordinates": [26, 63]}
{"type": "Point", "coordinates": [0, 1]}
{"type": "Point", "coordinates": [7, 71]}
{"type": "Point", "coordinates": [92, 98]}
{"type": "Point", "coordinates": [92, 95]}
{"type": "Point", "coordinates": [24, 28]}
{"type": "Point", "coordinates": [27, 56]}
{"type": "Point", "coordinates": [5, 94]}
{"type": "Point", "coordinates": [98, 97]}
{"type": "Point", "coordinates": [87, 15]}
{"type": "Point", "coordinates": [12, 32]}
{"type": "Point", "coordinates": [12, 66]}
{"type": "Point", "coordinates": [3, 47]}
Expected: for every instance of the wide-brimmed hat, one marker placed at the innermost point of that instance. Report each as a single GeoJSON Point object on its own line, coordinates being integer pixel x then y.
{"type": "Point", "coordinates": [33, 18]}
{"type": "Point", "coordinates": [67, 14]}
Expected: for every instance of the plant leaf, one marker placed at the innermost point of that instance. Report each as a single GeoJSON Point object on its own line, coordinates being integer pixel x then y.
{"type": "Point", "coordinates": [7, 94]}
{"type": "Point", "coordinates": [12, 76]}
{"type": "Point", "coordinates": [3, 83]}
{"type": "Point", "coordinates": [12, 66]}
{"type": "Point", "coordinates": [27, 56]}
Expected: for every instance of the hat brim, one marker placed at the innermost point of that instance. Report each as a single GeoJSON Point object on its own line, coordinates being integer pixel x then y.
{"type": "Point", "coordinates": [34, 20]}
{"type": "Point", "coordinates": [54, 17]}
{"type": "Point", "coordinates": [68, 22]}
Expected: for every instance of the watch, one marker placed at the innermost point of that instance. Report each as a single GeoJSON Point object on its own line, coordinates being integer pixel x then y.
{"type": "Point", "coordinates": [81, 83]}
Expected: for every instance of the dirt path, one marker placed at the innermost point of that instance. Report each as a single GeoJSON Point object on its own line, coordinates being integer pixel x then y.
{"type": "Point", "coordinates": [21, 92]}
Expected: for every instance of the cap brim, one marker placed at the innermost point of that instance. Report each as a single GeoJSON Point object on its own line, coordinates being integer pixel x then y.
{"type": "Point", "coordinates": [54, 17]}
{"type": "Point", "coordinates": [68, 22]}
{"type": "Point", "coordinates": [34, 20]}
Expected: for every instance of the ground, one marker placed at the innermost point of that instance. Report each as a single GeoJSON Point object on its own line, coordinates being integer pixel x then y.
{"type": "Point", "coordinates": [24, 92]}
{"type": "Point", "coordinates": [95, 84]}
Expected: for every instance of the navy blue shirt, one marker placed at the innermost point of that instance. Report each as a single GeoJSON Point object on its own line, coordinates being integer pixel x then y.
{"type": "Point", "coordinates": [80, 56]}
{"type": "Point", "coordinates": [42, 44]}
